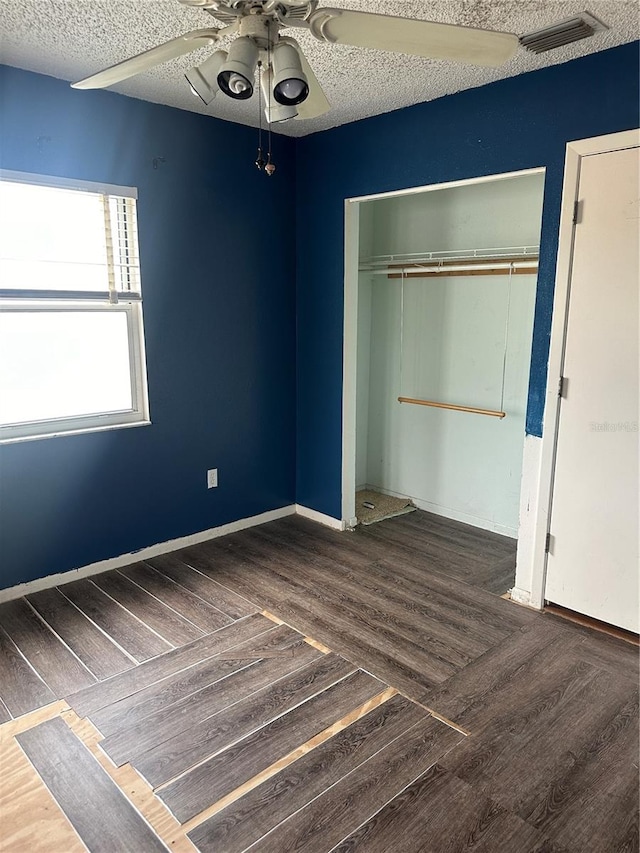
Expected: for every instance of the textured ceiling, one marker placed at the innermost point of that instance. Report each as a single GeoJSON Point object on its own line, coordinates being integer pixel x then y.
{"type": "Point", "coordinates": [71, 39]}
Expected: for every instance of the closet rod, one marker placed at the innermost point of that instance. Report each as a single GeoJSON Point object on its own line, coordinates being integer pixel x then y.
{"type": "Point", "coordinates": [435, 405]}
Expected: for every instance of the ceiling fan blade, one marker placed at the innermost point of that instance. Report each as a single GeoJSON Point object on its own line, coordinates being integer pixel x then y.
{"type": "Point", "coordinates": [417, 38]}
{"type": "Point", "coordinates": [137, 64]}
{"type": "Point", "coordinates": [316, 103]}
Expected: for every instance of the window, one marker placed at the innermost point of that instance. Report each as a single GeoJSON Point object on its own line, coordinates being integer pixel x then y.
{"type": "Point", "coordinates": [71, 336]}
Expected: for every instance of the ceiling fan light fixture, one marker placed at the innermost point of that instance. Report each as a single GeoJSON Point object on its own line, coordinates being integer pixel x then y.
{"type": "Point", "coordinates": [237, 73]}
{"type": "Point", "coordinates": [290, 85]}
{"type": "Point", "coordinates": [274, 112]}
{"type": "Point", "coordinates": [203, 79]}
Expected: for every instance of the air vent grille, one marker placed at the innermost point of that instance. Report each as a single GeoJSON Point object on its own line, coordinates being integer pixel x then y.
{"type": "Point", "coordinates": [564, 32]}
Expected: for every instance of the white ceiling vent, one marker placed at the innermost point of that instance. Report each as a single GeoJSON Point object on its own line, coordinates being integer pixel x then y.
{"type": "Point", "coordinates": [564, 32]}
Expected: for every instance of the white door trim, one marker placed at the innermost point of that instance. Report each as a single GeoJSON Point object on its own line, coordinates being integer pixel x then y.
{"type": "Point", "coordinates": [531, 590]}
{"type": "Point", "coordinates": [350, 359]}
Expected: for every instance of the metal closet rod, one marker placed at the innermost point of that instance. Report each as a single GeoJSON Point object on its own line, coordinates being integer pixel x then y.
{"type": "Point", "coordinates": [435, 405]}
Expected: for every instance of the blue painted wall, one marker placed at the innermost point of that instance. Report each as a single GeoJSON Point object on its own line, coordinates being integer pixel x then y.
{"type": "Point", "coordinates": [514, 124]}
{"type": "Point", "coordinates": [219, 312]}
{"type": "Point", "coordinates": [221, 306]}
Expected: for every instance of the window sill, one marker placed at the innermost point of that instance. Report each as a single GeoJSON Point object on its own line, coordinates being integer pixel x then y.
{"type": "Point", "coordinates": [81, 431]}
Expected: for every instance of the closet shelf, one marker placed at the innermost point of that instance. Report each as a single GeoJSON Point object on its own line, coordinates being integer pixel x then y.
{"type": "Point", "coordinates": [508, 260]}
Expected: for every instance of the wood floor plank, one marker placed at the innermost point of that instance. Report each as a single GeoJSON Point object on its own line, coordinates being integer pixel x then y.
{"type": "Point", "coordinates": [441, 814]}
{"type": "Point", "coordinates": [163, 694]}
{"type": "Point", "coordinates": [433, 659]}
{"type": "Point", "coordinates": [424, 550]}
{"type": "Point", "coordinates": [496, 617]}
{"type": "Point", "coordinates": [217, 777]}
{"type": "Point", "coordinates": [346, 590]}
{"type": "Point", "coordinates": [336, 813]}
{"type": "Point", "coordinates": [246, 820]}
{"type": "Point", "coordinates": [87, 702]}
{"type": "Point", "coordinates": [21, 690]}
{"type": "Point", "coordinates": [97, 652]}
{"type": "Point", "coordinates": [128, 632]}
{"type": "Point", "coordinates": [464, 624]}
{"type": "Point", "coordinates": [164, 724]}
{"type": "Point", "coordinates": [148, 609]}
{"type": "Point", "coordinates": [251, 577]}
{"type": "Point", "coordinates": [58, 667]}
{"type": "Point", "coordinates": [471, 697]}
{"type": "Point", "coordinates": [127, 714]}
{"type": "Point", "coordinates": [204, 739]}
{"type": "Point", "coordinates": [97, 809]}
{"type": "Point", "coordinates": [190, 606]}
{"type": "Point", "coordinates": [589, 802]}
{"type": "Point", "coordinates": [426, 666]}
{"type": "Point", "coordinates": [410, 563]}
{"type": "Point", "coordinates": [176, 567]}
{"type": "Point", "coordinates": [615, 655]}
{"type": "Point", "coordinates": [589, 722]}
{"type": "Point", "coordinates": [461, 538]}
{"type": "Point", "coordinates": [351, 645]}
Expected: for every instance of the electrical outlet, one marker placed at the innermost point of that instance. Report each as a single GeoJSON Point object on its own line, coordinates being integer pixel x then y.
{"type": "Point", "coordinates": [212, 478]}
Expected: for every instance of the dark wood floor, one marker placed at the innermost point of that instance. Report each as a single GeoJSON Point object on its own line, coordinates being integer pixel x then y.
{"type": "Point", "coordinates": [430, 714]}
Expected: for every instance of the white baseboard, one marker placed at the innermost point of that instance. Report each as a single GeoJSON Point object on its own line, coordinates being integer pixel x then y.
{"type": "Point", "coordinates": [320, 517]}
{"type": "Point", "coordinates": [146, 553]}
{"type": "Point", "coordinates": [453, 514]}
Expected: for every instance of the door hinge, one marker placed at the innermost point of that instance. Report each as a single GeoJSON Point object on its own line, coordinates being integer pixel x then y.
{"type": "Point", "coordinates": [577, 212]}
{"type": "Point", "coordinates": [548, 544]}
{"type": "Point", "coordinates": [563, 385]}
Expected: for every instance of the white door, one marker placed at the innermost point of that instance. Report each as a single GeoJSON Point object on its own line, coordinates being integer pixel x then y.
{"type": "Point", "coordinates": [593, 560]}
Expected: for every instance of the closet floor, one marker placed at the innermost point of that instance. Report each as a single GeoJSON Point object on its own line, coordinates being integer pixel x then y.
{"type": "Point", "coordinates": [360, 694]}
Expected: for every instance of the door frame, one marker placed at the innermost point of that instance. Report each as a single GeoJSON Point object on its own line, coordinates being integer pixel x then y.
{"type": "Point", "coordinates": [531, 579]}
{"type": "Point", "coordinates": [350, 330]}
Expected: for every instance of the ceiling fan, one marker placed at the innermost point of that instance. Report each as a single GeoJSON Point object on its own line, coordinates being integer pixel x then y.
{"type": "Point", "coordinates": [289, 86]}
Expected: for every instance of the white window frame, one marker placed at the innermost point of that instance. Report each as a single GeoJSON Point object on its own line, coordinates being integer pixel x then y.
{"type": "Point", "coordinates": [50, 301]}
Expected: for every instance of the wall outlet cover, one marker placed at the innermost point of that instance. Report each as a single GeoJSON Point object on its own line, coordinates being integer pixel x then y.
{"type": "Point", "coordinates": [212, 478]}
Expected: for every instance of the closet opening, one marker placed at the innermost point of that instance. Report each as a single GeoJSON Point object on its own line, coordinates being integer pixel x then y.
{"type": "Point", "coordinates": [440, 289]}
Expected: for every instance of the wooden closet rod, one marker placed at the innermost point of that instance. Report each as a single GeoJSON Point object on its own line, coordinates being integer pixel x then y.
{"type": "Point", "coordinates": [435, 405]}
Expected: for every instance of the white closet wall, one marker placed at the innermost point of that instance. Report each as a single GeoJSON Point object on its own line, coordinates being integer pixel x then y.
{"type": "Point", "coordinates": [450, 348]}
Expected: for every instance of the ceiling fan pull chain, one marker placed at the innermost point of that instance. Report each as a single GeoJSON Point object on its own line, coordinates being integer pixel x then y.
{"type": "Point", "coordinates": [269, 167]}
{"type": "Point", "coordinates": [260, 162]}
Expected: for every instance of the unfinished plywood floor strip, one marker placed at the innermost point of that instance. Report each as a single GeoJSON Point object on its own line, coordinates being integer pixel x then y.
{"type": "Point", "coordinates": [99, 812]}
